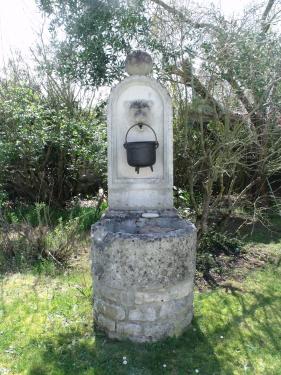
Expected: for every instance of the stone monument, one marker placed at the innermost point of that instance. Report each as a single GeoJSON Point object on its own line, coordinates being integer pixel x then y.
{"type": "Point", "coordinates": [143, 253]}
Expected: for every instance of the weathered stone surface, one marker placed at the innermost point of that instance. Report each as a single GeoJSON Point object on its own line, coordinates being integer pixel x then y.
{"type": "Point", "coordinates": [140, 99]}
{"type": "Point", "coordinates": [127, 297]}
{"type": "Point", "coordinates": [150, 215]}
{"type": "Point", "coordinates": [123, 214]}
{"type": "Point", "coordinates": [180, 290]}
{"type": "Point", "coordinates": [169, 309]}
{"type": "Point", "coordinates": [158, 330]}
{"type": "Point", "coordinates": [113, 312]}
{"type": "Point", "coordinates": [172, 327]}
{"type": "Point", "coordinates": [105, 323]}
{"type": "Point", "coordinates": [181, 322]}
{"type": "Point", "coordinates": [138, 63]}
{"type": "Point", "coordinates": [129, 329]}
{"type": "Point", "coordinates": [143, 313]}
{"type": "Point", "coordinates": [101, 290]}
{"type": "Point", "coordinates": [146, 283]}
{"type": "Point", "coordinates": [142, 252]}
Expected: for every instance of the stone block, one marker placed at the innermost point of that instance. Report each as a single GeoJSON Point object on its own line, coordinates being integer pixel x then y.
{"type": "Point", "coordinates": [103, 291]}
{"type": "Point", "coordinates": [181, 322]}
{"type": "Point", "coordinates": [144, 292]}
{"type": "Point", "coordinates": [178, 291]}
{"type": "Point", "coordinates": [138, 63]}
{"type": "Point", "coordinates": [105, 323]}
{"type": "Point", "coordinates": [143, 313]}
{"type": "Point", "coordinates": [173, 327]}
{"type": "Point", "coordinates": [111, 311]}
{"type": "Point", "coordinates": [129, 329]}
{"type": "Point", "coordinates": [140, 99]}
{"type": "Point", "coordinates": [158, 330]}
{"type": "Point", "coordinates": [144, 253]}
{"type": "Point", "coordinates": [169, 309]}
{"type": "Point", "coordinates": [127, 298]}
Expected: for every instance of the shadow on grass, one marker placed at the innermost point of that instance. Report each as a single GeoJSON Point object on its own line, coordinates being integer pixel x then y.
{"type": "Point", "coordinates": [70, 354]}
{"type": "Point", "coordinates": [253, 329]}
{"type": "Point", "coordinates": [248, 322]}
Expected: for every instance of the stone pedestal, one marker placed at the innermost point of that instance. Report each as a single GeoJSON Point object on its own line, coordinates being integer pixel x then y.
{"type": "Point", "coordinates": [143, 252]}
{"type": "Point", "coordinates": [143, 270]}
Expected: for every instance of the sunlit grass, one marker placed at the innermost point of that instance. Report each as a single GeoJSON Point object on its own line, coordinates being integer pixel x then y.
{"type": "Point", "coordinates": [46, 328]}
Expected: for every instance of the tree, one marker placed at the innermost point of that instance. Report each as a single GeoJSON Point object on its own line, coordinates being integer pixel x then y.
{"type": "Point", "coordinates": [224, 76]}
{"type": "Point", "coordinates": [98, 35]}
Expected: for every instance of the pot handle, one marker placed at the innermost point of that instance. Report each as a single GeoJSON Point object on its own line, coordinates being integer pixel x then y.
{"type": "Point", "coordinates": [141, 124]}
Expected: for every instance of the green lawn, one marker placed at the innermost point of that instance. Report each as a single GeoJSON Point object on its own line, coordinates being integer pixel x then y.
{"type": "Point", "coordinates": [46, 328]}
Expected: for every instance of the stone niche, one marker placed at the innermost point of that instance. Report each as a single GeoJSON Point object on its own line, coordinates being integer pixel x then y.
{"type": "Point", "coordinates": [140, 99]}
{"type": "Point", "coordinates": [143, 253]}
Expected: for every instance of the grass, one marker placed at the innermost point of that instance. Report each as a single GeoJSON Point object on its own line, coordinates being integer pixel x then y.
{"type": "Point", "coordinates": [46, 326]}
{"type": "Point", "coordinates": [34, 233]}
{"type": "Point", "coordinates": [42, 214]}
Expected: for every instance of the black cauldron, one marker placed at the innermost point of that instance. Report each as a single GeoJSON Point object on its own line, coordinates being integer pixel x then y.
{"type": "Point", "coordinates": [141, 154]}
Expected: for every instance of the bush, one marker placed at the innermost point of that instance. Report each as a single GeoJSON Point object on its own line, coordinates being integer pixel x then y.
{"type": "Point", "coordinates": [212, 246]}
{"type": "Point", "coordinates": [60, 243]}
{"type": "Point", "coordinates": [35, 234]}
{"type": "Point", "coordinates": [49, 152]}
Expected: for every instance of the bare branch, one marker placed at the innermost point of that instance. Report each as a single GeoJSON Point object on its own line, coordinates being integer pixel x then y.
{"type": "Point", "coordinates": [248, 187]}
{"type": "Point", "coordinates": [190, 80]}
{"type": "Point", "coordinates": [266, 24]}
{"type": "Point", "coordinates": [176, 12]}
{"type": "Point", "coordinates": [267, 10]}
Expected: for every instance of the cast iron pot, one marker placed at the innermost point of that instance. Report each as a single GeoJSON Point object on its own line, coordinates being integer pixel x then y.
{"type": "Point", "coordinates": [141, 154]}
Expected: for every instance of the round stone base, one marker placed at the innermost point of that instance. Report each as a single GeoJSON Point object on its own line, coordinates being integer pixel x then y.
{"type": "Point", "coordinates": [143, 271]}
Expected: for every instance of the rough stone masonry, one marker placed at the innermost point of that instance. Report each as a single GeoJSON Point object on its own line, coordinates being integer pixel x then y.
{"type": "Point", "coordinates": [143, 253]}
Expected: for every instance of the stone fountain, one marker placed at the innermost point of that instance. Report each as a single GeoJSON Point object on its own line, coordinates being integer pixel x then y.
{"type": "Point", "coordinates": [143, 253]}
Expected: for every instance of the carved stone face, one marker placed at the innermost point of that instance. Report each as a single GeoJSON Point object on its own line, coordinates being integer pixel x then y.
{"type": "Point", "coordinates": [139, 110]}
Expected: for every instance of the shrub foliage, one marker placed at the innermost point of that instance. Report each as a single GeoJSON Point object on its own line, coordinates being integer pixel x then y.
{"type": "Point", "coordinates": [48, 153]}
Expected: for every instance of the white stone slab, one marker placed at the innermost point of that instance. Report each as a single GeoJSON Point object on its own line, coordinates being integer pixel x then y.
{"type": "Point", "coordinates": [150, 215]}
{"type": "Point", "coordinates": [140, 99]}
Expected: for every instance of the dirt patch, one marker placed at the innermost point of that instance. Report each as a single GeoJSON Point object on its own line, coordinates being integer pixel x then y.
{"type": "Point", "coordinates": [231, 270]}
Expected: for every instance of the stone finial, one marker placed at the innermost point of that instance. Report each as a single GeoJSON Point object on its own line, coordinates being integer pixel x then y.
{"type": "Point", "coordinates": [138, 63]}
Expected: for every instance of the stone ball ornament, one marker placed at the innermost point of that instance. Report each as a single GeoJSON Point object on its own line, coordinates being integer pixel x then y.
{"type": "Point", "coordinates": [138, 63]}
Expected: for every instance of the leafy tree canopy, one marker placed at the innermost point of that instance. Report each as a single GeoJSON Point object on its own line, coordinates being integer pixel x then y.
{"type": "Point", "coordinates": [98, 34]}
